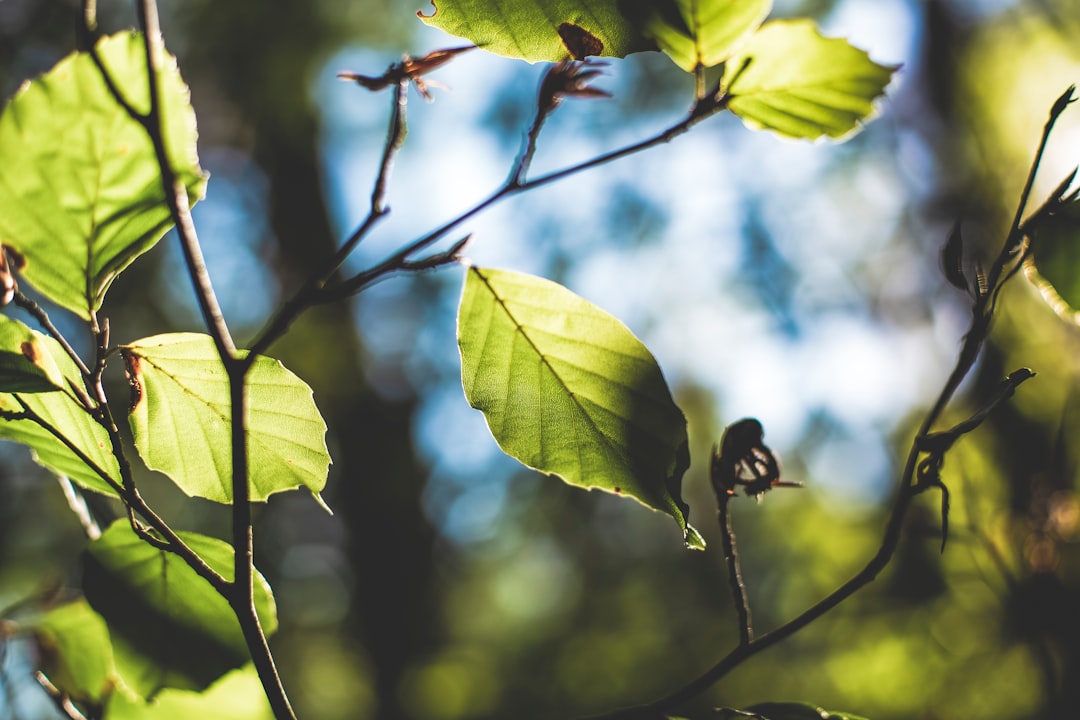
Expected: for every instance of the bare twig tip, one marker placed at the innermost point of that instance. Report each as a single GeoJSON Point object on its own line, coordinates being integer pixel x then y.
{"type": "Point", "coordinates": [1063, 102]}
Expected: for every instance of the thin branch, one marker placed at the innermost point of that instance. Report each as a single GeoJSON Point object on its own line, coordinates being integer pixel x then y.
{"type": "Point", "coordinates": [42, 317]}
{"type": "Point", "coordinates": [241, 592]}
{"type": "Point", "coordinates": [88, 29]}
{"type": "Point", "coordinates": [1015, 236]}
{"type": "Point", "coordinates": [731, 555]}
{"type": "Point", "coordinates": [176, 195]}
{"type": "Point", "coordinates": [394, 262]}
{"type": "Point", "coordinates": [311, 296]}
{"type": "Point", "coordinates": [131, 497]}
{"type": "Point", "coordinates": [77, 502]}
{"type": "Point", "coordinates": [394, 141]}
{"type": "Point", "coordinates": [61, 700]}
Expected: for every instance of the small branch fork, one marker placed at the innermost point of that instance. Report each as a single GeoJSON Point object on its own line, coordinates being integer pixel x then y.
{"type": "Point", "coordinates": [562, 80]}
{"type": "Point", "coordinates": [925, 457]}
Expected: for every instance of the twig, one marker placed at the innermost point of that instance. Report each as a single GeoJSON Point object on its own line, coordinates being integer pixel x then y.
{"type": "Point", "coordinates": [77, 502]}
{"type": "Point", "coordinates": [393, 263]}
{"type": "Point", "coordinates": [42, 317]}
{"type": "Point", "coordinates": [308, 294]}
{"type": "Point", "coordinates": [312, 295]}
{"type": "Point", "coordinates": [60, 699]}
{"type": "Point", "coordinates": [731, 555]}
{"type": "Point", "coordinates": [176, 195]}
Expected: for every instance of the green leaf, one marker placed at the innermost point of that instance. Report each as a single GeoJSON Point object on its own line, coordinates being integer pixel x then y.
{"type": "Point", "coordinates": [796, 711]}
{"type": "Point", "coordinates": [26, 366]}
{"type": "Point", "coordinates": [236, 696]}
{"type": "Point", "coordinates": [789, 79]}
{"type": "Point", "coordinates": [60, 411]}
{"type": "Point", "coordinates": [75, 652]}
{"type": "Point", "coordinates": [80, 192]}
{"type": "Point", "coordinates": [180, 420]}
{"type": "Point", "coordinates": [703, 33]}
{"type": "Point", "coordinates": [568, 390]}
{"type": "Point", "coordinates": [551, 30]}
{"type": "Point", "coordinates": [169, 627]}
{"type": "Point", "coordinates": [1053, 263]}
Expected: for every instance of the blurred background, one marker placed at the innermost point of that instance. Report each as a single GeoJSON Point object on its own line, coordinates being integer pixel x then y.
{"type": "Point", "coordinates": [797, 283]}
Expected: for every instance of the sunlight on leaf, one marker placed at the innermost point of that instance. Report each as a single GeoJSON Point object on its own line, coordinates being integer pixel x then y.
{"type": "Point", "coordinates": [57, 409]}
{"type": "Point", "coordinates": [792, 711]}
{"type": "Point", "coordinates": [180, 420]}
{"type": "Point", "coordinates": [702, 33]}
{"type": "Point", "coordinates": [568, 390]}
{"type": "Point", "coordinates": [238, 695]}
{"type": "Point", "coordinates": [170, 628]}
{"type": "Point", "coordinates": [555, 30]}
{"type": "Point", "coordinates": [1053, 265]}
{"type": "Point", "coordinates": [26, 366]}
{"type": "Point", "coordinates": [789, 79]}
{"type": "Point", "coordinates": [80, 192]}
{"type": "Point", "coordinates": [72, 643]}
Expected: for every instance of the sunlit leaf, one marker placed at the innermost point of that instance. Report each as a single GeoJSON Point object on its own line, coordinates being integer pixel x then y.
{"type": "Point", "coordinates": [794, 711]}
{"type": "Point", "coordinates": [26, 366]}
{"type": "Point", "coordinates": [60, 411]}
{"type": "Point", "coordinates": [80, 192]}
{"type": "Point", "coordinates": [180, 420]}
{"type": "Point", "coordinates": [702, 32]}
{"type": "Point", "coordinates": [238, 695]}
{"type": "Point", "coordinates": [553, 30]}
{"type": "Point", "coordinates": [568, 390]}
{"type": "Point", "coordinates": [1053, 264]}
{"type": "Point", "coordinates": [170, 628]}
{"type": "Point", "coordinates": [75, 653]}
{"type": "Point", "coordinates": [789, 79]}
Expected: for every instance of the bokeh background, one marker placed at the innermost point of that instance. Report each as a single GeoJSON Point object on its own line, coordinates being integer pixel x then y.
{"type": "Point", "coordinates": [797, 283]}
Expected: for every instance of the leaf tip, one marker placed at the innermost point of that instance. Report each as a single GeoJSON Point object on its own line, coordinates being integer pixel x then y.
{"type": "Point", "coordinates": [322, 503]}
{"type": "Point", "coordinates": [693, 539]}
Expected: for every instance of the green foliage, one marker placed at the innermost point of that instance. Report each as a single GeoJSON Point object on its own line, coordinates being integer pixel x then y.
{"type": "Point", "coordinates": [76, 654]}
{"type": "Point", "coordinates": [789, 79]}
{"type": "Point", "coordinates": [26, 366]}
{"type": "Point", "coordinates": [1054, 262]}
{"type": "Point", "coordinates": [568, 390]}
{"type": "Point", "coordinates": [42, 412]}
{"type": "Point", "coordinates": [169, 627]}
{"type": "Point", "coordinates": [178, 381]}
{"type": "Point", "coordinates": [565, 388]}
{"type": "Point", "coordinates": [551, 30]}
{"type": "Point", "coordinates": [80, 193]}
{"type": "Point", "coordinates": [237, 695]}
{"type": "Point", "coordinates": [703, 33]}
{"type": "Point", "coordinates": [788, 711]}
